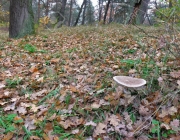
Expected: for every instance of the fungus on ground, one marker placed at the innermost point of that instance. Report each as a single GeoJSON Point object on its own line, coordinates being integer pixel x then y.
{"type": "Point", "coordinates": [129, 82]}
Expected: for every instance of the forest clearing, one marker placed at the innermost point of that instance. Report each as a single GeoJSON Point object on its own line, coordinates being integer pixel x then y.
{"type": "Point", "coordinates": [59, 85]}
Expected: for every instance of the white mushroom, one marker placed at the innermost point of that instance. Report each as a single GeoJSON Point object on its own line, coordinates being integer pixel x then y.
{"type": "Point", "coordinates": [129, 82]}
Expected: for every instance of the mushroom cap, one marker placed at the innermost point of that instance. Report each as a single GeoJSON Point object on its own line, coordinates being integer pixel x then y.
{"type": "Point", "coordinates": [129, 81]}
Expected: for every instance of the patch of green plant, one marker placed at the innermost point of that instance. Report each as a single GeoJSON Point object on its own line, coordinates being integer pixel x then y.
{"type": "Point", "coordinates": [30, 48]}
{"type": "Point", "coordinates": [131, 62]}
{"type": "Point", "coordinates": [12, 83]}
{"type": "Point", "coordinates": [47, 62]}
{"type": "Point", "coordinates": [156, 128]}
{"type": "Point", "coordinates": [166, 133]}
{"type": "Point", "coordinates": [27, 133]}
{"type": "Point", "coordinates": [50, 95]}
{"type": "Point", "coordinates": [7, 121]}
{"type": "Point", "coordinates": [67, 99]}
{"type": "Point", "coordinates": [71, 50]}
{"type": "Point", "coordinates": [130, 51]}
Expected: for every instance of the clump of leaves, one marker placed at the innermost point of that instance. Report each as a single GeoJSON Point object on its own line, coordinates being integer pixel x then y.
{"type": "Point", "coordinates": [30, 48]}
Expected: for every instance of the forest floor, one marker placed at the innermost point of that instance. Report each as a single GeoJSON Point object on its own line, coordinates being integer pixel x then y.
{"type": "Point", "coordinates": [59, 84]}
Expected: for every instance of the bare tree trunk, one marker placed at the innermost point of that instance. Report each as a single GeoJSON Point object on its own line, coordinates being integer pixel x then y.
{"type": "Point", "coordinates": [107, 7]}
{"type": "Point", "coordinates": [100, 9]}
{"type": "Point", "coordinates": [38, 11]}
{"type": "Point", "coordinates": [62, 10]}
{"type": "Point", "coordinates": [47, 8]}
{"type": "Point", "coordinates": [142, 11]}
{"type": "Point", "coordinates": [84, 12]}
{"type": "Point", "coordinates": [134, 13]}
{"type": "Point", "coordinates": [77, 19]}
{"type": "Point", "coordinates": [70, 13]}
{"type": "Point", "coordinates": [111, 12]}
{"type": "Point", "coordinates": [21, 18]}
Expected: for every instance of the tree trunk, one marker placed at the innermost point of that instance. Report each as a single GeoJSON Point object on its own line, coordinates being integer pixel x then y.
{"type": "Point", "coordinates": [142, 11]}
{"type": "Point", "coordinates": [111, 13]}
{"type": "Point", "coordinates": [77, 19]}
{"type": "Point", "coordinates": [134, 12]}
{"type": "Point", "coordinates": [107, 7]}
{"type": "Point", "coordinates": [21, 18]}
{"type": "Point", "coordinates": [38, 11]}
{"type": "Point", "coordinates": [70, 13]}
{"type": "Point", "coordinates": [100, 9]}
{"type": "Point", "coordinates": [84, 12]}
{"type": "Point", "coordinates": [47, 8]}
{"type": "Point", "coordinates": [62, 10]}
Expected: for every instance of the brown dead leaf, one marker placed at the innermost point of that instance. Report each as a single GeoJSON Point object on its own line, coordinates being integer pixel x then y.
{"type": "Point", "coordinates": [45, 137]}
{"type": "Point", "coordinates": [95, 105]}
{"type": "Point", "coordinates": [65, 124]}
{"type": "Point", "coordinates": [175, 74]}
{"type": "Point", "coordinates": [100, 129]}
{"type": "Point", "coordinates": [33, 69]}
{"type": "Point", "coordinates": [166, 126]}
{"type": "Point", "coordinates": [29, 123]}
{"type": "Point", "coordinates": [55, 60]}
{"type": "Point", "coordinates": [114, 120]}
{"type": "Point", "coordinates": [10, 107]}
{"type": "Point", "coordinates": [172, 110]}
{"type": "Point", "coordinates": [35, 138]}
{"type": "Point", "coordinates": [8, 136]}
{"type": "Point", "coordinates": [144, 111]}
{"type": "Point", "coordinates": [90, 123]}
{"type": "Point", "coordinates": [21, 110]}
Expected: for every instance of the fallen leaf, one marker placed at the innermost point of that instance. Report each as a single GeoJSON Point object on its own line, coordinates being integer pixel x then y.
{"type": "Point", "coordinates": [100, 129]}
{"type": "Point", "coordinates": [95, 105]}
{"type": "Point", "coordinates": [8, 136]}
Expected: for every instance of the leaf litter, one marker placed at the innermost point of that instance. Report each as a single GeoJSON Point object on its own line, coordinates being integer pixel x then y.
{"type": "Point", "coordinates": [65, 89]}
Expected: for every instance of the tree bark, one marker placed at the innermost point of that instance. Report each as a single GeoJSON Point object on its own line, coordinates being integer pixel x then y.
{"type": "Point", "coordinates": [107, 7]}
{"type": "Point", "coordinates": [70, 13]}
{"type": "Point", "coordinates": [100, 9]}
{"type": "Point", "coordinates": [111, 12]}
{"type": "Point", "coordinates": [62, 10]}
{"type": "Point", "coordinates": [84, 12]}
{"type": "Point", "coordinates": [77, 19]}
{"type": "Point", "coordinates": [21, 18]}
{"type": "Point", "coordinates": [142, 11]}
{"type": "Point", "coordinates": [134, 12]}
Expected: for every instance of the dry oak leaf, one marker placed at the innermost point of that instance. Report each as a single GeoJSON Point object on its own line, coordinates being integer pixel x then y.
{"type": "Point", "coordinates": [172, 110]}
{"type": "Point", "coordinates": [95, 105]}
{"type": "Point", "coordinates": [10, 107]}
{"type": "Point", "coordinates": [166, 126]}
{"type": "Point", "coordinates": [65, 124]}
{"type": "Point", "coordinates": [8, 136]}
{"type": "Point", "coordinates": [35, 138]}
{"type": "Point", "coordinates": [163, 113]}
{"type": "Point", "coordinates": [100, 129]}
{"type": "Point", "coordinates": [21, 110]}
{"type": "Point", "coordinates": [175, 74]}
{"type": "Point", "coordinates": [114, 120]}
{"type": "Point", "coordinates": [175, 125]}
{"type": "Point", "coordinates": [144, 110]}
{"type": "Point", "coordinates": [90, 123]}
{"type": "Point", "coordinates": [29, 123]}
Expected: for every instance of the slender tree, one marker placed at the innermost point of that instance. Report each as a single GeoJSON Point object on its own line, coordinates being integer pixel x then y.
{"type": "Point", "coordinates": [84, 12]}
{"type": "Point", "coordinates": [100, 9]}
{"type": "Point", "coordinates": [70, 13]}
{"type": "Point", "coordinates": [77, 19]}
{"type": "Point", "coordinates": [142, 12]}
{"type": "Point", "coordinates": [107, 7]}
{"type": "Point", "coordinates": [62, 10]}
{"type": "Point", "coordinates": [21, 18]}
